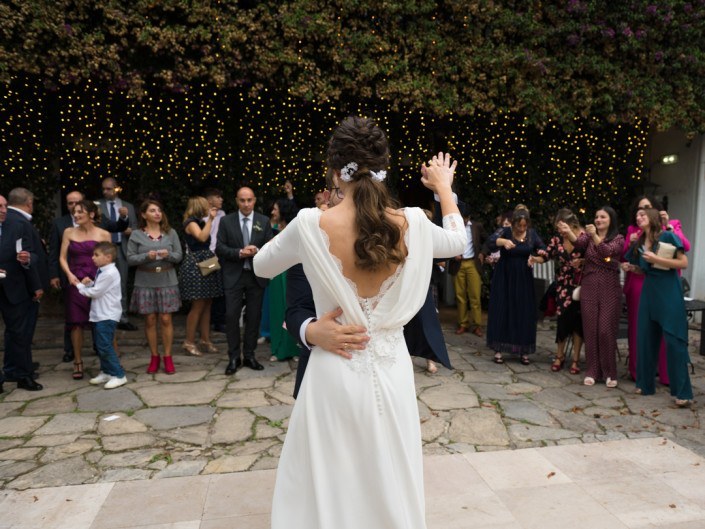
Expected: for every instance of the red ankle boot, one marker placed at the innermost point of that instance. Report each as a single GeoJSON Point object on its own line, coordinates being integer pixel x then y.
{"type": "Point", "coordinates": [169, 365]}
{"type": "Point", "coordinates": [153, 364]}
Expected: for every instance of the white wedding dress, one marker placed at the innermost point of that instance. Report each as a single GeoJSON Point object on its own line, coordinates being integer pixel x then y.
{"type": "Point", "coordinates": [352, 458]}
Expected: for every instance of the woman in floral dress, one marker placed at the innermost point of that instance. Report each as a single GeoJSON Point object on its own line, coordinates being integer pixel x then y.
{"type": "Point", "coordinates": [568, 265]}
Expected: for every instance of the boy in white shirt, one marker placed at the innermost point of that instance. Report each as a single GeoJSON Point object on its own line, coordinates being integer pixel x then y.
{"type": "Point", "coordinates": [106, 310]}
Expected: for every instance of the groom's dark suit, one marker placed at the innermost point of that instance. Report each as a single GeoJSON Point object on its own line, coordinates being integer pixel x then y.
{"type": "Point", "coordinates": [239, 282]}
{"type": "Point", "coordinates": [423, 333]}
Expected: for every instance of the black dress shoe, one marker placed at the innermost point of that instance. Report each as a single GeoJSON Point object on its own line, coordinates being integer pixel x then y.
{"type": "Point", "coordinates": [68, 356]}
{"type": "Point", "coordinates": [29, 384]}
{"type": "Point", "coordinates": [233, 365]}
{"type": "Point", "coordinates": [126, 326]}
{"type": "Point", "coordinates": [13, 378]}
{"type": "Point", "coordinates": [252, 364]}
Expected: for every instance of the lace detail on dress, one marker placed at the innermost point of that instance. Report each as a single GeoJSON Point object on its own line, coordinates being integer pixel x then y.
{"type": "Point", "coordinates": [453, 222]}
{"type": "Point", "coordinates": [381, 349]}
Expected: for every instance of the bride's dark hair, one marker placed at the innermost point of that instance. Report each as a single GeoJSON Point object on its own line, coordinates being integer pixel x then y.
{"type": "Point", "coordinates": [361, 141]}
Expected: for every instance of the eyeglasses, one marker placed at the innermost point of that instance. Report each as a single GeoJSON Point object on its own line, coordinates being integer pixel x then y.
{"type": "Point", "coordinates": [108, 188]}
{"type": "Point", "coordinates": [338, 192]}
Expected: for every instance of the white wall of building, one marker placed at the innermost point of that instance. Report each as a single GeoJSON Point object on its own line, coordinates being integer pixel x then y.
{"type": "Point", "coordinates": [684, 185]}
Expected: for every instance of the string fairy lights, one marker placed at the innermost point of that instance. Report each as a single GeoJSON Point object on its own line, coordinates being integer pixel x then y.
{"type": "Point", "coordinates": [186, 138]}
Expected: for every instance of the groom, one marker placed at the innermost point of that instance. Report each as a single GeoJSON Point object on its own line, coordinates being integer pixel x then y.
{"type": "Point", "coordinates": [307, 330]}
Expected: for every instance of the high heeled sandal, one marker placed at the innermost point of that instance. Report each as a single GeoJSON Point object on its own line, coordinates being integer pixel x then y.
{"type": "Point", "coordinates": [208, 347]}
{"type": "Point", "coordinates": [574, 369]}
{"type": "Point", "coordinates": [557, 364]}
{"type": "Point", "coordinates": [683, 403]}
{"type": "Point", "coordinates": [498, 358]}
{"type": "Point", "coordinates": [77, 370]}
{"type": "Point", "coordinates": [191, 349]}
{"type": "Point", "coordinates": [524, 360]}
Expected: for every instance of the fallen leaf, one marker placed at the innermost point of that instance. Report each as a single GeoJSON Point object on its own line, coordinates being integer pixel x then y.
{"type": "Point", "coordinates": [35, 498]}
{"type": "Point", "coordinates": [550, 475]}
{"type": "Point", "coordinates": [672, 505]}
{"type": "Point", "coordinates": [663, 441]}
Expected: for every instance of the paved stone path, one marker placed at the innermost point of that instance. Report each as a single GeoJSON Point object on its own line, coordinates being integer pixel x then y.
{"type": "Point", "coordinates": [200, 422]}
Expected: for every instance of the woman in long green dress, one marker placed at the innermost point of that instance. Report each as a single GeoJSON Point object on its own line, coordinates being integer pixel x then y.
{"type": "Point", "coordinates": [283, 345]}
{"type": "Point", "coordinates": [661, 307]}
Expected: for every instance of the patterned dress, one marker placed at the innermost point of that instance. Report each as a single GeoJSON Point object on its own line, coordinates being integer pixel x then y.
{"type": "Point", "coordinates": [193, 284]}
{"type": "Point", "coordinates": [569, 319]}
{"type": "Point", "coordinates": [601, 304]}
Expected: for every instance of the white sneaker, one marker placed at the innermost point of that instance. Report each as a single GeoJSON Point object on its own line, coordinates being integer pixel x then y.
{"type": "Point", "coordinates": [101, 378]}
{"type": "Point", "coordinates": [115, 382]}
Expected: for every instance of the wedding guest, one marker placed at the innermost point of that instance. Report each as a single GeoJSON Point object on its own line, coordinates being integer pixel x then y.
{"type": "Point", "coordinates": [569, 263]}
{"type": "Point", "coordinates": [241, 236]}
{"type": "Point", "coordinates": [468, 279]}
{"type": "Point", "coordinates": [57, 278]}
{"type": "Point", "coordinates": [154, 249]}
{"type": "Point", "coordinates": [110, 206]}
{"type": "Point", "coordinates": [214, 197]}
{"type": "Point", "coordinates": [76, 259]}
{"type": "Point", "coordinates": [105, 313]}
{"type": "Point", "coordinates": [662, 308]}
{"type": "Point", "coordinates": [600, 294]}
{"type": "Point", "coordinates": [634, 282]}
{"type": "Point", "coordinates": [194, 286]}
{"type": "Point", "coordinates": [511, 322]}
{"type": "Point", "coordinates": [282, 344]}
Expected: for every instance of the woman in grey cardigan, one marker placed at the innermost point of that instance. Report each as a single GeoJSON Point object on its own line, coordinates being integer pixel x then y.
{"type": "Point", "coordinates": [154, 250]}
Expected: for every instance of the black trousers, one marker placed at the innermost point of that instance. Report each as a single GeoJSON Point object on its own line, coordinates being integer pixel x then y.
{"type": "Point", "coordinates": [249, 288]}
{"type": "Point", "coordinates": [20, 320]}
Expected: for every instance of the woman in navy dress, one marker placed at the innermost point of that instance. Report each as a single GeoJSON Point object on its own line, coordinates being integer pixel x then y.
{"type": "Point", "coordinates": [511, 323]}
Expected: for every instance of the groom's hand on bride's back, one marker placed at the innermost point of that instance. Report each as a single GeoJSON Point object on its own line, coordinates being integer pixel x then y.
{"type": "Point", "coordinates": [328, 333]}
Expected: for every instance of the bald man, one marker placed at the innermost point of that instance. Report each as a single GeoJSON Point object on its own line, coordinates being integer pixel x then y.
{"type": "Point", "coordinates": [240, 237]}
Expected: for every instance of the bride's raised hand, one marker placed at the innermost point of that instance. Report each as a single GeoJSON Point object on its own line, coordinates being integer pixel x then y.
{"type": "Point", "coordinates": [439, 172]}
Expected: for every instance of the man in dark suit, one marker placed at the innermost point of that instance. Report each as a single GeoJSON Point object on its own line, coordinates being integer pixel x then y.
{"type": "Point", "coordinates": [110, 207]}
{"type": "Point", "coordinates": [240, 237]}
{"type": "Point", "coordinates": [423, 334]}
{"type": "Point", "coordinates": [60, 224]}
{"type": "Point", "coordinates": [23, 263]}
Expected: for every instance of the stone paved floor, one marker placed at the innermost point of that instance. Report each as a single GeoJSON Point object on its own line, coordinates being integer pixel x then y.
{"type": "Point", "coordinates": [200, 422]}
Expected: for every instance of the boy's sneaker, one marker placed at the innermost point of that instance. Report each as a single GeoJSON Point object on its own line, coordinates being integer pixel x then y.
{"type": "Point", "coordinates": [115, 382]}
{"type": "Point", "coordinates": [102, 378]}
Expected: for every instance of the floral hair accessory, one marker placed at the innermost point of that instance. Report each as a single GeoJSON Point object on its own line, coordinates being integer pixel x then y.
{"type": "Point", "coordinates": [347, 172]}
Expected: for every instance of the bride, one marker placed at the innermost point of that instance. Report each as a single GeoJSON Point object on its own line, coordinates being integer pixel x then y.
{"type": "Point", "coordinates": [352, 457]}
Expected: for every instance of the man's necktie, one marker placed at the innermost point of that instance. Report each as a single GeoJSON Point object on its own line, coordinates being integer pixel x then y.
{"type": "Point", "coordinates": [245, 242]}
{"type": "Point", "coordinates": [113, 216]}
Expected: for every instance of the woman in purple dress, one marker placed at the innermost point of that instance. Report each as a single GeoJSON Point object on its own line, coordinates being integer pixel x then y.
{"type": "Point", "coordinates": [76, 259]}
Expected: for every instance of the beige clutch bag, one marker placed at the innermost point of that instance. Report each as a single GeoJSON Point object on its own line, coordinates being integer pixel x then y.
{"type": "Point", "coordinates": [667, 251]}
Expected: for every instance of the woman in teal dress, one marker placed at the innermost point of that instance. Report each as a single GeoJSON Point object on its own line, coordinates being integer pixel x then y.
{"type": "Point", "coordinates": [283, 345]}
{"type": "Point", "coordinates": [661, 308]}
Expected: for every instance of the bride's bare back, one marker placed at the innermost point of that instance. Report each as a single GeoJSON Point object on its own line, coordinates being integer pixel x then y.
{"type": "Point", "coordinates": [339, 224]}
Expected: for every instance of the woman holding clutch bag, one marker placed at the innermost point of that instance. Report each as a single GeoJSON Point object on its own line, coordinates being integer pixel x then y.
{"type": "Point", "coordinates": [659, 254]}
{"type": "Point", "coordinates": [194, 286]}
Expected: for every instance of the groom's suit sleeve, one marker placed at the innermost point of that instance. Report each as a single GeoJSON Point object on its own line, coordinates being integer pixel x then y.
{"type": "Point", "coordinates": [299, 308]}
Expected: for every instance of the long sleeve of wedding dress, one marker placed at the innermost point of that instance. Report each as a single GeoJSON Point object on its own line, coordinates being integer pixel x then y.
{"type": "Point", "coordinates": [352, 456]}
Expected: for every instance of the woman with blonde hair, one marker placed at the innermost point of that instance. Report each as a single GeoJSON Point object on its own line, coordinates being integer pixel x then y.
{"type": "Point", "coordinates": [194, 286]}
{"type": "Point", "coordinates": [154, 250]}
